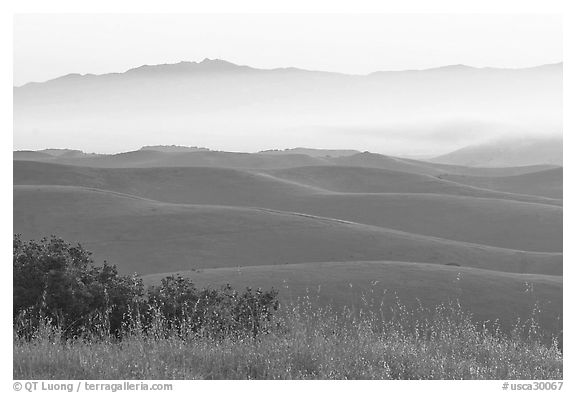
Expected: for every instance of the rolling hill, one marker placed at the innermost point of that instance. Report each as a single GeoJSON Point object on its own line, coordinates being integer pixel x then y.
{"type": "Point", "coordinates": [190, 184]}
{"type": "Point", "coordinates": [181, 156]}
{"type": "Point", "coordinates": [500, 223]}
{"type": "Point", "coordinates": [313, 152]}
{"type": "Point", "coordinates": [146, 236]}
{"type": "Point", "coordinates": [374, 180]}
{"type": "Point", "coordinates": [151, 158]}
{"type": "Point", "coordinates": [441, 169]}
{"type": "Point", "coordinates": [546, 183]}
{"type": "Point", "coordinates": [490, 295]}
{"type": "Point", "coordinates": [496, 222]}
{"type": "Point", "coordinates": [219, 186]}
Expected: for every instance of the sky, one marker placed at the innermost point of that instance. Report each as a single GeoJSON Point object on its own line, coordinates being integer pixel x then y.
{"type": "Point", "coordinates": [47, 46]}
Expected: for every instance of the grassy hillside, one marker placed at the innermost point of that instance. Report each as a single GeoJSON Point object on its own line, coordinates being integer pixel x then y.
{"type": "Point", "coordinates": [152, 237]}
{"type": "Point", "coordinates": [380, 285]}
{"type": "Point", "coordinates": [150, 158]}
{"type": "Point", "coordinates": [484, 171]}
{"type": "Point", "coordinates": [547, 183]}
{"type": "Point", "coordinates": [229, 186]}
{"type": "Point", "coordinates": [500, 223]}
{"type": "Point", "coordinates": [30, 155]}
{"type": "Point", "coordinates": [153, 158]}
{"type": "Point", "coordinates": [375, 180]}
{"type": "Point", "coordinates": [311, 344]}
{"type": "Point", "coordinates": [223, 186]}
{"type": "Point", "coordinates": [373, 160]}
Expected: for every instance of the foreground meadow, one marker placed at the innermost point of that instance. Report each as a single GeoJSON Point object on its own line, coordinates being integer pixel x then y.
{"type": "Point", "coordinates": [303, 343]}
{"type": "Point", "coordinates": [76, 320]}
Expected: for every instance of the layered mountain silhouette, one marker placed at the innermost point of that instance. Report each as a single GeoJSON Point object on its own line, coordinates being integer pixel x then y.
{"type": "Point", "coordinates": [479, 223]}
{"type": "Point", "coordinates": [244, 108]}
{"type": "Point", "coordinates": [507, 152]}
{"type": "Point", "coordinates": [341, 223]}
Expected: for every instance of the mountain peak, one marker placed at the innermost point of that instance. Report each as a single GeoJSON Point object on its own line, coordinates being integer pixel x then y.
{"type": "Point", "coordinates": [219, 64]}
{"type": "Point", "coordinates": [208, 60]}
{"type": "Point", "coordinates": [188, 67]}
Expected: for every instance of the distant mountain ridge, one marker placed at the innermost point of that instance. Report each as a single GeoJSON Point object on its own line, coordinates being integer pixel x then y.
{"type": "Point", "coordinates": [313, 152]}
{"type": "Point", "coordinates": [182, 68]}
{"type": "Point", "coordinates": [186, 156]}
{"type": "Point", "coordinates": [218, 103]}
{"type": "Point", "coordinates": [173, 148]}
{"type": "Point", "coordinates": [223, 66]}
{"type": "Point", "coordinates": [507, 152]}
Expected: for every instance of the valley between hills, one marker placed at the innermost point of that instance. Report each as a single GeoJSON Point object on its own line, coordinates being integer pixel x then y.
{"type": "Point", "coordinates": [333, 227]}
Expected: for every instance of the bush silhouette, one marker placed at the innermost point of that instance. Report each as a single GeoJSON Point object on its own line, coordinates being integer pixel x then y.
{"type": "Point", "coordinates": [58, 283]}
{"type": "Point", "coordinates": [216, 312]}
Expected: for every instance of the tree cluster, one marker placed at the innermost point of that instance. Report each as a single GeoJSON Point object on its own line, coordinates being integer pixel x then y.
{"type": "Point", "coordinates": [59, 284]}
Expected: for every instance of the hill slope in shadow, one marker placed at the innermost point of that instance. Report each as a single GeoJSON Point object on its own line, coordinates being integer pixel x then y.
{"type": "Point", "coordinates": [147, 236]}
{"type": "Point", "coordinates": [547, 183]}
{"type": "Point", "coordinates": [378, 285]}
{"type": "Point", "coordinates": [150, 158]}
{"type": "Point", "coordinates": [495, 222]}
{"type": "Point", "coordinates": [374, 180]}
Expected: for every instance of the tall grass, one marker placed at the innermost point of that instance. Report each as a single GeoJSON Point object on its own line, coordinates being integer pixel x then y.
{"type": "Point", "coordinates": [302, 342]}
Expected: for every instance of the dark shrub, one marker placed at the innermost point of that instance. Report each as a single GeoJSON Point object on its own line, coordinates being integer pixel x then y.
{"type": "Point", "coordinates": [58, 283]}
{"type": "Point", "coordinates": [213, 312]}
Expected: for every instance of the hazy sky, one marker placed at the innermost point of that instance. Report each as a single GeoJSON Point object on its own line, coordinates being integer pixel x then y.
{"type": "Point", "coordinates": [50, 45]}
